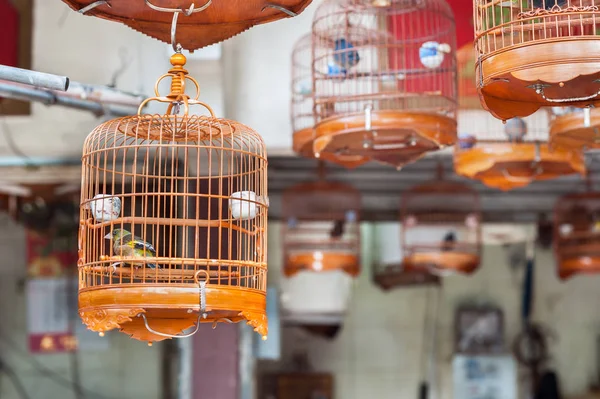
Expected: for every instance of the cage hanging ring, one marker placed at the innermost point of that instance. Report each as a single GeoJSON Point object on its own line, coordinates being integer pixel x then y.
{"type": "Point", "coordinates": [142, 315]}
{"type": "Point", "coordinates": [197, 274]}
{"type": "Point", "coordinates": [520, 179]}
{"type": "Point", "coordinates": [191, 10]}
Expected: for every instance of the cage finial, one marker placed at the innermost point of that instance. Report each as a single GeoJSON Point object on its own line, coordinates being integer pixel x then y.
{"type": "Point", "coordinates": [178, 74]}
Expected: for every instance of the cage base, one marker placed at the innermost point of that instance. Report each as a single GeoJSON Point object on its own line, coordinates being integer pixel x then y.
{"type": "Point", "coordinates": [325, 261]}
{"type": "Point", "coordinates": [569, 131]}
{"type": "Point", "coordinates": [511, 165]}
{"type": "Point", "coordinates": [303, 146]}
{"type": "Point", "coordinates": [395, 276]}
{"type": "Point", "coordinates": [170, 309]}
{"type": "Point", "coordinates": [460, 262]}
{"type": "Point", "coordinates": [566, 68]}
{"type": "Point", "coordinates": [218, 22]}
{"type": "Point", "coordinates": [584, 264]}
{"type": "Point", "coordinates": [394, 137]}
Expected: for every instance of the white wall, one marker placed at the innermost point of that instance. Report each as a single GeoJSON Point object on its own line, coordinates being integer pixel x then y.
{"type": "Point", "coordinates": [377, 354]}
{"type": "Point", "coordinates": [128, 369]}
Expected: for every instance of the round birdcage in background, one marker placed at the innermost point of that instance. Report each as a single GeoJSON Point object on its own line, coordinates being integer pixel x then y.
{"type": "Point", "coordinates": [303, 118]}
{"type": "Point", "coordinates": [510, 155]}
{"type": "Point", "coordinates": [575, 128]}
{"type": "Point", "coordinates": [534, 53]}
{"type": "Point", "coordinates": [381, 90]}
{"type": "Point", "coordinates": [322, 230]}
{"type": "Point", "coordinates": [577, 234]}
{"type": "Point", "coordinates": [202, 23]}
{"type": "Point", "coordinates": [441, 228]}
{"type": "Point", "coordinates": [173, 220]}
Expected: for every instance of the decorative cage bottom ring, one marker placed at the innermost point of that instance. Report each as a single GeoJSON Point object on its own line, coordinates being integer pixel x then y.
{"type": "Point", "coordinates": [571, 132]}
{"type": "Point", "coordinates": [303, 145]}
{"type": "Point", "coordinates": [326, 261]}
{"type": "Point", "coordinates": [442, 262]}
{"type": "Point", "coordinates": [170, 309]}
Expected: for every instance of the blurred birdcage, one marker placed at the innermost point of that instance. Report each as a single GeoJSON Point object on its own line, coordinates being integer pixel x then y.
{"type": "Point", "coordinates": [577, 234]}
{"type": "Point", "coordinates": [200, 25]}
{"type": "Point", "coordinates": [321, 250]}
{"type": "Point", "coordinates": [510, 155]}
{"type": "Point", "coordinates": [387, 268]}
{"type": "Point", "coordinates": [384, 77]}
{"type": "Point", "coordinates": [303, 118]}
{"type": "Point", "coordinates": [575, 128]}
{"type": "Point", "coordinates": [173, 220]}
{"type": "Point", "coordinates": [534, 53]}
{"type": "Point", "coordinates": [441, 228]}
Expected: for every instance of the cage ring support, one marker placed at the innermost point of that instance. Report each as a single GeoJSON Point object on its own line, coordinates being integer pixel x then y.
{"type": "Point", "coordinates": [201, 313]}
{"type": "Point", "coordinates": [280, 8]}
{"type": "Point", "coordinates": [539, 89]}
{"type": "Point", "coordinates": [436, 271]}
{"type": "Point", "coordinates": [93, 5]}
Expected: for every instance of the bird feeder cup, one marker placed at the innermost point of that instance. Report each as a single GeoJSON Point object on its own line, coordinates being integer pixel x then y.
{"type": "Point", "coordinates": [535, 53]}
{"type": "Point", "coordinates": [577, 234]}
{"type": "Point", "coordinates": [203, 23]}
{"type": "Point", "coordinates": [441, 228]}
{"type": "Point", "coordinates": [322, 230]}
{"type": "Point", "coordinates": [506, 156]}
{"type": "Point", "coordinates": [303, 118]}
{"type": "Point", "coordinates": [382, 91]}
{"type": "Point", "coordinates": [173, 220]}
{"type": "Point", "coordinates": [575, 128]}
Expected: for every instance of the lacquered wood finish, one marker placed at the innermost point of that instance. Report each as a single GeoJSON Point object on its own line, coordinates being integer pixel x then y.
{"type": "Point", "coordinates": [219, 21]}
{"type": "Point", "coordinates": [303, 146]}
{"type": "Point", "coordinates": [570, 132]}
{"type": "Point", "coordinates": [510, 165]}
{"type": "Point", "coordinates": [169, 309]}
{"type": "Point", "coordinates": [323, 261]}
{"type": "Point", "coordinates": [395, 138]}
{"type": "Point", "coordinates": [443, 261]}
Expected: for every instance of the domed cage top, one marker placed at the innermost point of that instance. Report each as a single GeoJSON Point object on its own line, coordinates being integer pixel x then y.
{"type": "Point", "coordinates": [203, 23]}
{"type": "Point", "coordinates": [322, 230]}
{"type": "Point", "coordinates": [173, 221]}
{"type": "Point", "coordinates": [510, 155]}
{"type": "Point", "coordinates": [575, 128]}
{"type": "Point", "coordinates": [534, 53]}
{"type": "Point", "coordinates": [384, 77]}
{"type": "Point", "coordinates": [387, 268]}
{"type": "Point", "coordinates": [577, 234]}
{"type": "Point", "coordinates": [441, 228]}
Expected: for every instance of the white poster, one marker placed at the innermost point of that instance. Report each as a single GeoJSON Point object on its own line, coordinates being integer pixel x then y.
{"type": "Point", "coordinates": [485, 377]}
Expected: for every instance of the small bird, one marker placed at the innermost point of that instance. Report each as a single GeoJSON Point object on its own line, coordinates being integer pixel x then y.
{"type": "Point", "coordinates": [244, 205]}
{"type": "Point", "coordinates": [126, 244]}
{"type": "Point", "coordinates": [345, 55]}
{"type": "Point", "coordinates": [105, 208]}
{"type": "Point", "coordinates": [466, 141]}
{"type": "Point", "coordinates": [338, 229]}
{"type": "Point", "coordinates": [515, 130]}
{"type": "Point", "coordinates": [449, 241]}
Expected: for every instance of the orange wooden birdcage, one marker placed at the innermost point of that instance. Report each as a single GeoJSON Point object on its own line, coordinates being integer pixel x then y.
{"type": "Point", "coordinates": [303, 118]}
{"type": "Point", "coordinates": [384, 79]}
{"type": "Point", "coordinates": [322, 230]}
{"type": "Point", "coordinates": [203, 23]}
{"type": "Point", "coordinates": [534, 53]}
{"type": "Point", "coordinates": [575, 128]}
{"type": "Point", "coordinates": [510, 155]}
{"type": "Point", "coordinates": [577, 234]}
{"type": "Point", "coordinates": [441, 228]}
{"type": "Point", "coordinates": [173, 220]}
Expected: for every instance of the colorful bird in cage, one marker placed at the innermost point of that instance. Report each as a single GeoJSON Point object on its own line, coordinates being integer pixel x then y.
{"type": "Point", "coordinates": [186, 222]}
{"type": "Point", "coordinates": [515, 130]}
{"type": "Point", "coordinates": [344, 54]}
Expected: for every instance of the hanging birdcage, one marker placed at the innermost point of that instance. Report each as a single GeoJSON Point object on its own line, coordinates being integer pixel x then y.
{"type": "Point", "coordinates": [510, 155]}
{"type": "Point", "coordinates": [534, 53]}
{"type": "Point", "coordinates": [382, 90]}
{"type": "Point", "coordinates": [387, 267]}
{"type": "Point", "coordinates": [173, 220]}
{"type": "Point", "coordinates": [200, 25]}
{"type": "Point", "coordinates": [577, 234]}
{"type": "Point", "coordinates": [321, 250]}
{"type": "Point", "coordinates": [441, 228]}
{"type": "Point", "coordinates": [575, 128]}
{"type": "Point", "coordinates": [303, 118]}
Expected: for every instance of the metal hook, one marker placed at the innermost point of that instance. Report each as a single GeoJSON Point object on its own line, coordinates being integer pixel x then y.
{"type": "Point", "coordinates": [191, 10]}
{"type": "Point", "coordinates": [214, 325]}
{"type": "Point", "coordinates": [280, 8]}
{"type": "Point", "coordinates": [93, 5]}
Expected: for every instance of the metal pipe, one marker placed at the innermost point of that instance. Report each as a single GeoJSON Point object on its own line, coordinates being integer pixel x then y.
{"type": "Point", "coordinates": [33, 78]}
{"type": "Point", "coordinates": [97, 107]}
